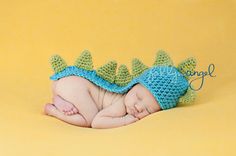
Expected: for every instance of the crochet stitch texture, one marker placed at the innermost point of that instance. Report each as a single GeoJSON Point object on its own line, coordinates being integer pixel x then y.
{"type": "Point", "coordinates": [168, 84]}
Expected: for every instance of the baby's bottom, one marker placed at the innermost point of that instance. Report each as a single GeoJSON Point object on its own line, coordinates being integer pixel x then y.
{"type": "Point", "coordinates": [72, 94]}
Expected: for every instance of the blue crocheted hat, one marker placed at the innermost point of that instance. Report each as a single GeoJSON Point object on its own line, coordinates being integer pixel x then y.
{"type": "Point", "coordinates": [168, 84]}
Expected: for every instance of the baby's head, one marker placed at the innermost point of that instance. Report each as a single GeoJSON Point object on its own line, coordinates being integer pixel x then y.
{"type": "Point", "coordinates": [140, 102]}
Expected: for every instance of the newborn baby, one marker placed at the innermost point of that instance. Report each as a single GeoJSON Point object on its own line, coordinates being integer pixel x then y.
{"type": "Point", "coordinates": [80, 102]}
{"type": "Point", "coordinates": [104, 98]}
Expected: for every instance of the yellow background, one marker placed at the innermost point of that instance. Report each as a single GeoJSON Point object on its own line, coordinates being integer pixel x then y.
{"type": "Point", "coordinates": [32, 31]}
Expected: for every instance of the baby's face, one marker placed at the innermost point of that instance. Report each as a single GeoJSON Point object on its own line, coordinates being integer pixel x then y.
{"type": "Point", "coordinates": [140, 102]}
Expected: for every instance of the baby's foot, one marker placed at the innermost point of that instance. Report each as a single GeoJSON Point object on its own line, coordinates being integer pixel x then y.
{"type": "Point", "coordinates": [50, 109]}
{"type": "Point", "coordinates": [64, 106]}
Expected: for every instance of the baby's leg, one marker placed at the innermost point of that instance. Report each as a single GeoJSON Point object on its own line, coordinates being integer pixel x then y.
{"type": "Point", "coordinates": [61, 104]}
{"type": "Point", "coordinates": [64, 106]}
{"type": "Point", "coordinates": [76, 91]}
{"type": "Point", "coordinates": [75, 119]}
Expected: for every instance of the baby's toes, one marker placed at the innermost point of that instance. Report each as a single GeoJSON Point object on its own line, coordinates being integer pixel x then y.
{"type": "Point", "coordinates": [67, 108]}
{"type": "Point", "coordinates": [66, 112]}
{"type": "Point", "coordinates": [75, 110]}
{"type": "Point", "coordinates": [70, 112]}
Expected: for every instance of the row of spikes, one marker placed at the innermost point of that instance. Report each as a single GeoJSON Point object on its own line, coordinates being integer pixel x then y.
{"type": "Point", "coordinates": [108, 70]}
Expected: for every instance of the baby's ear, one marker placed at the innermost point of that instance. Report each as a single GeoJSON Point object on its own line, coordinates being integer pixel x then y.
{"type": "Point", "coordinates": [57, 62]}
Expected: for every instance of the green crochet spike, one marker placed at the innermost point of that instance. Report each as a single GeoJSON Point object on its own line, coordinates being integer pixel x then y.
{"type": "Point", "coordinates": [188, 97]}
{"type": "Point", "coordinates": [138, 67]}
{"type": "Point", "coordinates": [108, 71]}
{"type": "Point", "coordinates": [58, 63]}
{"type": "Point", "coordinates": [162, 59]}
{"type": "Point", "coordinates": [188, 65]}
{"type": "Point", "coordinates": [123, 76]}
{"type": "Point", "coordinates": [84, 61]}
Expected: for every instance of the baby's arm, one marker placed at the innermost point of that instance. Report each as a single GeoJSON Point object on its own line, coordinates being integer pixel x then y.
{"type": "Point", "coordinates": [113, 116]}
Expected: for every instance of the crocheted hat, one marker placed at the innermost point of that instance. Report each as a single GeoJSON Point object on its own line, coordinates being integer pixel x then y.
{"type": "Point", "coordinates": [168, 84]}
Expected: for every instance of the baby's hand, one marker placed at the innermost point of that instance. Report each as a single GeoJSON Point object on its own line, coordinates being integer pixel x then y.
{"type": "Point", "coordinates": [130, 119]}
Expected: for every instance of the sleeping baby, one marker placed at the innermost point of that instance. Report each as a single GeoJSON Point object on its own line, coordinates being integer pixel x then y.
{"type": "Point", "coordinates": [103, 98]}
{"type": "Point", "coordinates": [80, 102]}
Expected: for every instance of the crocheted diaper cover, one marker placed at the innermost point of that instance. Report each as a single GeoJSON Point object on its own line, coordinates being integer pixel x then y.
{"type": "Point", "coordinates": [167, 83]}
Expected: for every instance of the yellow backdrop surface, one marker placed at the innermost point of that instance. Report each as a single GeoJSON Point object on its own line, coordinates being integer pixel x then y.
{"type": "Point", "coordinates": [32, 31]}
